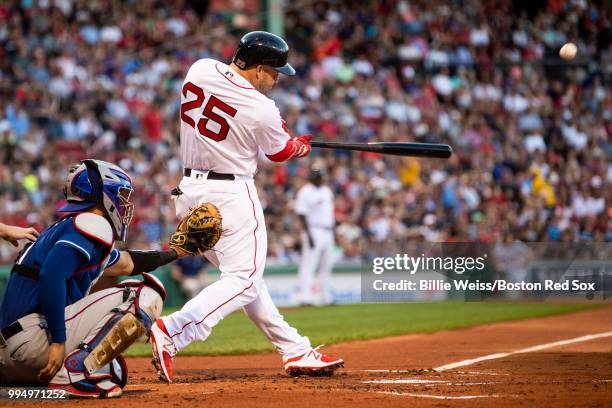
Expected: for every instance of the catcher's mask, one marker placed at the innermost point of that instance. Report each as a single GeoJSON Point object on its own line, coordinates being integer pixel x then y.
{"type": "Point", "coordinates": [92, 182]}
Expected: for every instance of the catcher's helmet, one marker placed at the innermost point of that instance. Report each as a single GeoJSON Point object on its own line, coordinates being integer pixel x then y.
{"type": "Point", "coordinates": [92, 182]}
{"type": "Point", "coordinates": [263, 48]}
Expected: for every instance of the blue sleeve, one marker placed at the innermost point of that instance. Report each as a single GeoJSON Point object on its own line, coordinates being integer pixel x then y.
{"type": "Point", "coordinates": [80, 243]}
{"type": "Point", "coordinates": [113, 257]}
{"type": "Point", "coordinates": [61, 262]}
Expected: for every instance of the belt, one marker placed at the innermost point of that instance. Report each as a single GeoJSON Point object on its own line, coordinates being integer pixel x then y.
{"type": "Point", "coordinates": [211, 175]}
{"type": "Point", "coordinates": [11, 330]}
{"type": "Point", "coordinates": [26, 271]}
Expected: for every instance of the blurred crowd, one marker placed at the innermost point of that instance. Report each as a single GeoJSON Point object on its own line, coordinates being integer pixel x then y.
{"type": "Point", "coordinates": [530, 132]}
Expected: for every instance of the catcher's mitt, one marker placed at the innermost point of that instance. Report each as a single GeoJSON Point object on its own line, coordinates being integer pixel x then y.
{"type": "Point", "coordinates": [198, 231]}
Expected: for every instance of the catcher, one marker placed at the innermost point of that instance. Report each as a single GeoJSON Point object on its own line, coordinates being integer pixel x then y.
{"type": "Point", "coordinates": [52, 331]}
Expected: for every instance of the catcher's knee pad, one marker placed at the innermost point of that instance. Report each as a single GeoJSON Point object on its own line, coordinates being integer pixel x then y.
{"type": "Point", "coordinates": [148, 297]}
{"type": "Point", "coordinates": [150, 300]}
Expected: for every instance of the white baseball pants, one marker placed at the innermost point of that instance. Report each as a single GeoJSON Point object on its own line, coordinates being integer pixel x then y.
{"type": "Point", "coordinates": [321, 256]}
{"type": "Point", "coordinates": [240, 254]}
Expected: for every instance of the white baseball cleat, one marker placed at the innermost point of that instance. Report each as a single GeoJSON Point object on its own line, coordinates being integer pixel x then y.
{"type": "Point", "coordinates": [313, 363]}
{"type": "Point", "coordinates": [164, 350]}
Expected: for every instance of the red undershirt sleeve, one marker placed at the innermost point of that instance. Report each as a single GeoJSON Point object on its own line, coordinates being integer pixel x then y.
{"type": "Point", "coordinates": [285, 154]}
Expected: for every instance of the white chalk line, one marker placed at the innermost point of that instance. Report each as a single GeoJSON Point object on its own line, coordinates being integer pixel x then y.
{"type": "Point", "coordinates": [539, 347]}
{"type": "Point", "coordinates": [413, 371]}
{"type": "Point", "coordinates": [442, 397]}
{"type": "Point", "coordinates": [429, 383]}
{"type": "Point", "coordinates": [471, 361]}
{"type": "Point", "coordinates": [464, 384]}
{"type": "Point", "coordinates": [405, 381]}
{"type": "Point", "coordinates": [479, 373]}
{"type": "Point", "coordinates": [412, 394]}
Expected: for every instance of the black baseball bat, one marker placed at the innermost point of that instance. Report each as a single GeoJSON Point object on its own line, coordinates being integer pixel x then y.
{"type": "Point", "coordinates": [434, 150]}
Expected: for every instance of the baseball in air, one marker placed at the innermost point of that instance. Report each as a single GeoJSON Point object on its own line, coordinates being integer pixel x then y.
{"type": "Point", "coordinates": [568, 51]}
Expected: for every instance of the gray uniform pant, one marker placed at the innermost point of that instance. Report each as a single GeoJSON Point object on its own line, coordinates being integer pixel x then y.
{"type": "Point", "coordinates": [26, 352]}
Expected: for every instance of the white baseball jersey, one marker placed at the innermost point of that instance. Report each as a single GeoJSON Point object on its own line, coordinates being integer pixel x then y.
{"type": "Point", "coordinates": [317, 205]}
{"type": "Point", "coordinates": [224, 120]}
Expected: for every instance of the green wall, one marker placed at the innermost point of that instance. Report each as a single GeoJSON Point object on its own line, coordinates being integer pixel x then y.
{"type": "Point", "coordinates": [175, 296]}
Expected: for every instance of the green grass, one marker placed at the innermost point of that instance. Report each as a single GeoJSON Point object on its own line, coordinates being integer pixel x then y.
{"type": "Point", "coordinates": [236, 334]}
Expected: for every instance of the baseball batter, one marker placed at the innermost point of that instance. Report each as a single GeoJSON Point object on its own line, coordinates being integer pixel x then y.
{"type": "Point", "coordinates": [52, 331]}
{"type": "Point", "coordinates": [225, 120]}
{"type": "Point", "coordinates": [314, 204]}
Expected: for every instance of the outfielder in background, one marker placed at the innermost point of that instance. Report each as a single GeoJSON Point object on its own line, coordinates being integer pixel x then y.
{"type": "Point", "coordinates": [314, 205]}
{"type": "Point", "coordinates": [225, 120]}
{"type": "Point", "coordinates": [190, 274]}
{"type": "Point", "coordinates": [52, 331]}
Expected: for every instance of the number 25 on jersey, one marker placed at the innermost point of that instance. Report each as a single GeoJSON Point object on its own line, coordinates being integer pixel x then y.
{"type": "Point", "coordinates": [207, 113]}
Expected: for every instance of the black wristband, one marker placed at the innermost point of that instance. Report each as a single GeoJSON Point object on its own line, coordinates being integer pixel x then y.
{"type": "Point", "coordinates": [147, 261]}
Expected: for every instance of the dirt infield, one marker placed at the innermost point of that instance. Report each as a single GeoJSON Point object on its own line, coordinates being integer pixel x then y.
{"type": "Point", "coordinates": [398, 372]}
